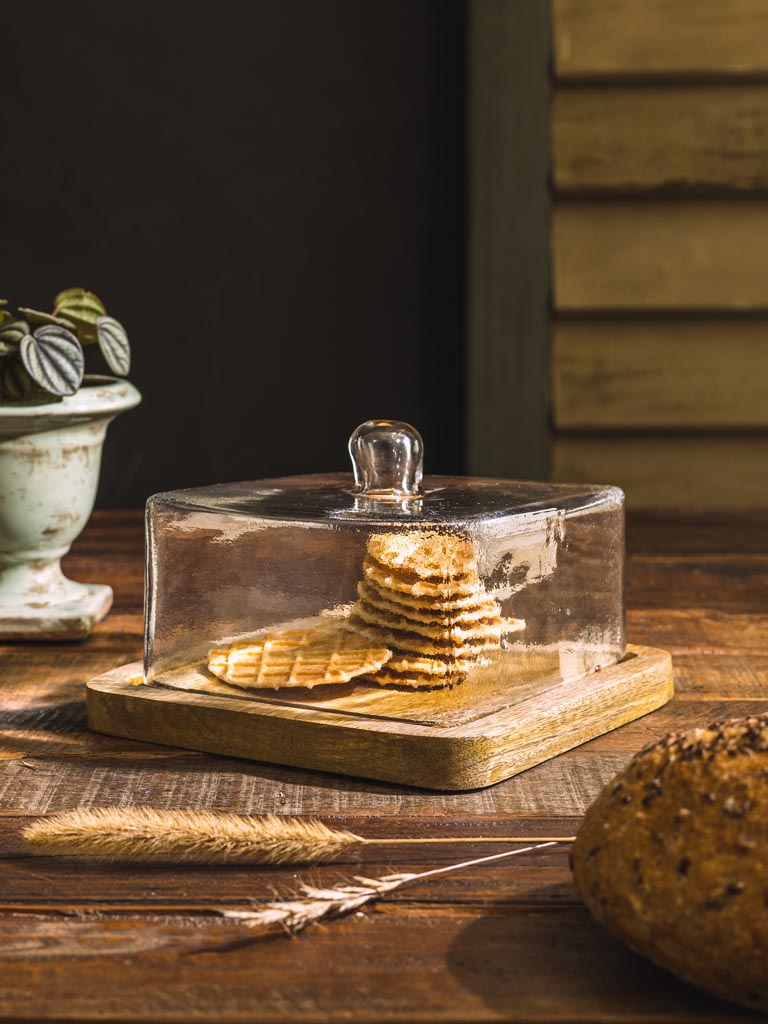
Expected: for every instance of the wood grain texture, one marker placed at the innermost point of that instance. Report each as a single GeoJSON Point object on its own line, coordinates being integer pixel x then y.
{"type": "Point", "coordinates": [670, 470]}
{"type": "Point", "coordinates": [666, 138]}
{"type": "Point", "coordinates": [612, 374]}
{"type": "Point", "coordinates": [694, 255]}
{"type": "Point", "coordinates": [697, 533]}
{"type": "Point", "coordinates": [712, 633]}
{"type": "Point", "coordinates": [510, 942]}
{"type": "Point", "coordinates": [659, 140]}
{"type": "Point", "coordinates": [727, 585]}
{"type": "Point", "coordinates": [422, 962]}
{"type": "Point", "coordinates": [660, 37]}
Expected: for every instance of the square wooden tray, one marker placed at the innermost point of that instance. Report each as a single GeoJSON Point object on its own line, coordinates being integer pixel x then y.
{"type": "Point", "coordinates": [446, 742]}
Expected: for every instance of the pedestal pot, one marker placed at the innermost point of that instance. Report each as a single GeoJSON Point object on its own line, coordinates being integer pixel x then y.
{"type": "Point", "coordinates": [50, 456]}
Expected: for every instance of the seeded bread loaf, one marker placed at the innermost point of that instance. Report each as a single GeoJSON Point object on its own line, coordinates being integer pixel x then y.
{"type": "Point", "coordinates": [673, 857]}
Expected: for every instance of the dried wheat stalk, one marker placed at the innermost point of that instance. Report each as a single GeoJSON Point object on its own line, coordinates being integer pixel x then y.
{"type": "Point", "coordinates": [209, 837]}
{"type": "Point", "coordinates": [316, 905]}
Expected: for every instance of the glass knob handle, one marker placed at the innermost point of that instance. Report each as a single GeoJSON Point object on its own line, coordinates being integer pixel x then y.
{"type": "Point", "coordinates": [387, 459]}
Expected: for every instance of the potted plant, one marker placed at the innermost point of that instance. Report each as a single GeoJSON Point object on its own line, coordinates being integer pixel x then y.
{"type": "Point", "coordinates": [53, 419]}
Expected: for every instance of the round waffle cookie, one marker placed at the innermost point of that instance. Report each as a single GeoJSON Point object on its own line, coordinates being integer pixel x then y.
{"type": "Point", "coordinates": [413, 665]}
{"type": "Point", "coordinates": [429, 555]}
{"type": "Point", "coordinates": [452, 630]}
{"type": "Point", "coordinates": [432, 606]}
{"type": "Point", "coordinates": [411, 643]}
{"type": "Point", "coordinates": [414, 681]}
{"type": "Point", "coordinates": [478, 607]}
{"type": "Point", "coordinates": [448, 588]}
{"type": "Point", "coordinates": [412, 672]}
{"type": "Point", "coordinates": [298, 657]}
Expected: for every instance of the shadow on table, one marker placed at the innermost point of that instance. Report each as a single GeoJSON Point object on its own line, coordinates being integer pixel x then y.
{"type": "Point", "coordinates": [51, 727]}
{"type": "Point", "coordinates": [561, 963]}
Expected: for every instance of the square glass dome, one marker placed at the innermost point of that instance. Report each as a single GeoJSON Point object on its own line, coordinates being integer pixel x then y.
{"type": "Point", "coordinates": [384, 593]}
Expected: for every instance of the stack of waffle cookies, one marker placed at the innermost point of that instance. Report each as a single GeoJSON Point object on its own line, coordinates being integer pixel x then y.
{"type": "Point", "coordinates": [421, 596]}
{"type": "Point", "coordinates": [422, 620]}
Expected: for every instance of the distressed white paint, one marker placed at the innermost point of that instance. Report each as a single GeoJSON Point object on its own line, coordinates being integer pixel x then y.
{"type": "Point", "coordinates": [50, 457]}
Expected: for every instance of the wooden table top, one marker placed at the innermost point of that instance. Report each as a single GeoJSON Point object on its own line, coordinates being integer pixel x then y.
{"type": "Point", "coordinates": [505, 942]}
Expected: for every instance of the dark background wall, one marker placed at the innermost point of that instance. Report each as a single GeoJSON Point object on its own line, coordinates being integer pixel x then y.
{"type": "Point", "coordinates": [269, 195]}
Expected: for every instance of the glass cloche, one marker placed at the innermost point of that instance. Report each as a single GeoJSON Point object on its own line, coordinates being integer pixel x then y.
{"type": "Point", "coordinates": [383, 592]}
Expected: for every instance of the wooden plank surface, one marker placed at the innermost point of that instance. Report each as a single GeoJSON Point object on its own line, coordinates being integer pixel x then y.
{"type": "Point", "coordinates": [424, 962]}
{"type": "Point", "coordinates": [512, 942]}
{"type": "Point", "coordinates": [704, 471]}
{"type": "Point", "coordinates": [659, 138]}
{"type": "Point", "coordinates": [666, 138]}
{"type": "Point", "coordinates": [655, 373]}
{"type": "Point", "coordinates": [694, 255]}
{"type": "Point", "coordinates": [660, 37]}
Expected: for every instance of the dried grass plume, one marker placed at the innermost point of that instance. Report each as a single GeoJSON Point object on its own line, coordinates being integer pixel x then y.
{"type": "Point", "coordinates": [202, 837]}
{"type": "Point", "coordinates": [211, 837]}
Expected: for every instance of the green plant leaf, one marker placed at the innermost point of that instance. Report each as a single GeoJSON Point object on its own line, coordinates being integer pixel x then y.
{"type": "Point", "coordinates": [80, 303]}
{"type": "Point", "coordinates": [34, 316]}
{"type": "Point", "coordinates": [53, 358]}
{"type": "Point", "coordinates": [6, 346]}
{"type": "Point", "coordinates": [15, 382]}
{"type": "Point", "coordinates": [13, 330]}
{"type": "Point", "coordinates": [82, 309]}
{"type": "Point", "coordinates": [114, 345]}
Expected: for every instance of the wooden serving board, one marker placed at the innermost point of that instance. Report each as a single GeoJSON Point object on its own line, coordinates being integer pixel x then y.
{"type": "Point", "coordinates": [447, 740]}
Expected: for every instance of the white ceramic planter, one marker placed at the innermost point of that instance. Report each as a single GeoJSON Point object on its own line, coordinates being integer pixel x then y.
{"type": "Point", "coordinates": [50, 457]}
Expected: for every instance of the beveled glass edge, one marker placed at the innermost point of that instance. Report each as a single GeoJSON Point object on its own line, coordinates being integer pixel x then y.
{"type": "Point", "coordinates": [584, 498]}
